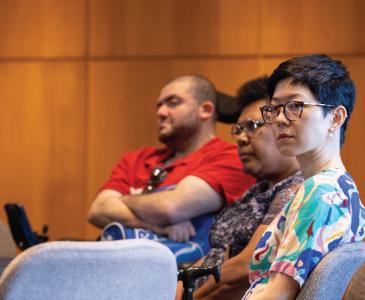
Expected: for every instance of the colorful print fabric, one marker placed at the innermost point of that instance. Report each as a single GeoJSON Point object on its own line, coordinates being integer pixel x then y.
{"type": "Point", "coordinates": [325, 212]}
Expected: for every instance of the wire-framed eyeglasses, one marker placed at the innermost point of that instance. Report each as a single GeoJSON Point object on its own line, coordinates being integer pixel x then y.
{"type": "Point", "coordinates": [248, 126]}
{"type": "Point", "coordinates": [292, 110]}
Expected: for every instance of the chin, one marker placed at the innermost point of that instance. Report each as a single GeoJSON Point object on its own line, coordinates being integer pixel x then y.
{"type": "Point", "coordinates": [287, 151]}
{"type": "Point", "coordinates": [167, 138]}
{"type": "Point", "coordinates": [286, 148]}
{"type": "Point", "coordinates": [250, 170]}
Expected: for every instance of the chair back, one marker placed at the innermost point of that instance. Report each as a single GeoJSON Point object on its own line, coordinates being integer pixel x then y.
{"type": "Point", "coordinates": [7, 246]}
{"type": "Point", "coordinates": [356, 289]}
{"type": "Point", "coordinates": [127, 269]}
{"type": "Point", "coordinates": [330, 278]}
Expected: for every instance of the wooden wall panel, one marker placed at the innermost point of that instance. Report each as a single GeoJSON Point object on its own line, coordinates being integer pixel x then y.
{"type": "Point", "coordinates": [305, 26]}
{"type": "Point", "coordinates": [121, 112]}
{"type": "Point", "coordinates": [42, 28]}
{"type": "Point", "coordinates": [43, 145]}
{"type": "Point", "coordinates": [174, 27]}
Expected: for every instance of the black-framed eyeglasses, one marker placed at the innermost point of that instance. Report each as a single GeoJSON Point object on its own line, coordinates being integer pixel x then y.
{"type": "Point", "coordinates": [157, 176]}
{"type": "Point", "coordinates": [248, 126]}
{"type": "Point", "coordinates": [292, 110]}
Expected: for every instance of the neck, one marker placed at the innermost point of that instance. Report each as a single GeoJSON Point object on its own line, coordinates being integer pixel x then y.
{"type": "Point", "coordinates": [184, 148]}
{"type": "Point", "coordinates": [289, 171]}
{"type": "Point", "coordinates": [315, 161]}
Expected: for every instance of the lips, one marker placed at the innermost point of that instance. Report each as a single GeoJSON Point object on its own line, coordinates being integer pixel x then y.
{"type": "Point", "coordinates": [163, 124]}
{"type": "Point", "coordinates": [246, 156]}
{"type": "Point", "coordinates": [282, 136]}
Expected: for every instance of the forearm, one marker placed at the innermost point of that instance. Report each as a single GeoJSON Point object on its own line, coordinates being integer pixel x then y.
{"type": "Point", "coordinates": [233, 271]}
{"type": "Point", "coordinates": [109, 207]}
{"type": "Point", "coordinates": [179, 287]}
{"type": "Point", "coordinates": [279, 287]}
{"type": "Point", "coordinates": [225, 291]}
{"type": "Point", "coordinates": [153, 208]}
{"type": "Point", "coordinates": [192, 197]}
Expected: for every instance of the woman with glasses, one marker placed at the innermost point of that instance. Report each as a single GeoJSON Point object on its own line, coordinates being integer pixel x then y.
{"type": "Point", "coordinates": [238, 227]}
{"type": "Point", "coordinates": [312, 98]}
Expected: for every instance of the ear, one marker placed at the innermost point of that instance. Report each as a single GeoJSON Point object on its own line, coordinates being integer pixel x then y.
{"type": "Point", "coordinates": [206, 110]}
{"type": "Point", "coordinates": [339, 115]}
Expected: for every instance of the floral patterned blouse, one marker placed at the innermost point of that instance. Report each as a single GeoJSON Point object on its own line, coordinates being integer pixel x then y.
{"type": "Point", "coordinates": [325, 213]}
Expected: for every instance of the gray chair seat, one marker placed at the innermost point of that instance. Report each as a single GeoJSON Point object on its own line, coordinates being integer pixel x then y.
{"type": "Point", "coordinates": [127, 269]}
{"type": "Point", "coordinates": [330, 278]}
{"type": "Point", "coordinates": [356, 289]}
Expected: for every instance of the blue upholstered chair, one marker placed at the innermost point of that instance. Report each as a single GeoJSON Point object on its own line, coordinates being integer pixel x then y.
{"type": "Point", "coordinates": [356, 289]}
{"type": "Point", "coordinates": [329, 280]}
{"type": "Point", "coordinates": [7, 246]}
{"type": "Point", "coordinates": [127, 269]}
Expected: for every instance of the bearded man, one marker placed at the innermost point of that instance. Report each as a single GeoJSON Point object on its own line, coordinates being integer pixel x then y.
{"type": "Point", "coordinates": [170, 194]}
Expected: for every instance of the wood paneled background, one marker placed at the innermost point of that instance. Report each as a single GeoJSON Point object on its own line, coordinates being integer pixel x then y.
{"type": "Point", "coordinates": [79, 80]}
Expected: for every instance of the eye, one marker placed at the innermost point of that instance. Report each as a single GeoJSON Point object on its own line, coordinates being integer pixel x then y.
{"type": "Point", "coordinates": [237, 129]}
{"type": "Point", "coordinates": [294, 106]}
{"type": "Point", "coordinates": [173, 101]}
{"type": "Point", "coordinates": [250, 125]}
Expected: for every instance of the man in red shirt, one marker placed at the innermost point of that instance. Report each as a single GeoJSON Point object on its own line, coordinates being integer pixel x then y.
{"type": "Point", "coordinates": [165, 190]}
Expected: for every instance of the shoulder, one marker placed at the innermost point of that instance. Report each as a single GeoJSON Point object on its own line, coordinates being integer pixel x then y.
{"type": "Point", "coordinates": [218, 143]}
{"type": "Point", "coordinates": [326, 189]}
{"type": "Point", "coordinates": [329, 180]}
{"type": "Point", "coordinates": [146, 152]}
{"type": "Point", "coordinates": [217, 148]}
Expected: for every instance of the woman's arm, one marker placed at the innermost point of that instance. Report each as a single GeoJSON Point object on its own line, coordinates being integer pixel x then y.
{"type": "Point", "coordinates": [279, 287]}
{"type": "Point", "coordinates": [234, 270]}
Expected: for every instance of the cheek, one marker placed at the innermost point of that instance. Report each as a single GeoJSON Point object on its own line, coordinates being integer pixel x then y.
{"type": "Point", "coordinates": [273, 128]}
{"type": "Point", "coordinates": [262, 151]}
{"type": "Point", "coordinates": [313, 133]}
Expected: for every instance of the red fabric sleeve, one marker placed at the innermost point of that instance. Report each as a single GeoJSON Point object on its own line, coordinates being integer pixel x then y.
{"type": "Point", "coordinates": [224, 173]}
{"type": "Point", "coordinates": [118, 179]}
{"type": "Point", "coordinates": [129, 171]}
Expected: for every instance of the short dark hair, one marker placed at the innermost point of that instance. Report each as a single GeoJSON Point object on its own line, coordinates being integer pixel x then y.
{"type": "Point", "coordinates": [200, 88]}
{"type": "Point", "coordinates": [251, 91]}
{"type": "Point", "coordinates": [328, 80]}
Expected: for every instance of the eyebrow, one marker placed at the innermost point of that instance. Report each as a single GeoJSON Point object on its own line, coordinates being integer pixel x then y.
{"type": "Point", "coordinates": [164, 100]}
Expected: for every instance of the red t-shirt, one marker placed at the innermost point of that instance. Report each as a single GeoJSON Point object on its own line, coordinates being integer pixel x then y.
{"type": "Point", "coordinates": [217, 163]}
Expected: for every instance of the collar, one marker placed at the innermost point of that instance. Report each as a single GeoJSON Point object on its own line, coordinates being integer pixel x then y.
{"type": "Point", "coordinates": [166, 153]}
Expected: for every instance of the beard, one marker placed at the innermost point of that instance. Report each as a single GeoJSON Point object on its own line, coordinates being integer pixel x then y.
{"type": "Point", "coordinates": [179, 134]}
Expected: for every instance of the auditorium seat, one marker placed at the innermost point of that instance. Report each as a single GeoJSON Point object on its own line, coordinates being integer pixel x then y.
{"type": "Point", "coordinates": [127, 269]}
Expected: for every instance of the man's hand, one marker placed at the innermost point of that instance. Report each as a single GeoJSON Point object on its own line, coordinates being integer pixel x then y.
{"type": "Point", "coordinates": [180, 232]}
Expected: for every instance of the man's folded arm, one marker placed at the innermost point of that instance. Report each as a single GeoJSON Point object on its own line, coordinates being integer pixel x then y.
{"type": "Point", "coordinates": [191, 197]}
{"type": "Point", "coordinates": [108, 207]}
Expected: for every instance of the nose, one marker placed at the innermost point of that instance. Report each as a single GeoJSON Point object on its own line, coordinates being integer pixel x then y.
{"type": "Point", "coordinates": [281, 118]}
{"type": "Point", "coordinates": [162, 111]}
{"type": "Point", "coordinates": [242, 139]}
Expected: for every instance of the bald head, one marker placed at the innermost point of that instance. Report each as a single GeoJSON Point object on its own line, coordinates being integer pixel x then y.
{"type": "Point", "coordinates": [199, 87]}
